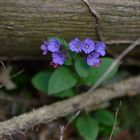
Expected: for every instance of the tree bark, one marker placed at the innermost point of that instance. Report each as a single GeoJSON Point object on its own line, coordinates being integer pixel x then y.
{"type": "Point", "coordinates": [24, 24]}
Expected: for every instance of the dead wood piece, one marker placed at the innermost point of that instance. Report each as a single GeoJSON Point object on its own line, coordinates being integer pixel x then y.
{"type": "Point", "coordinates": [25, 24]}
{"type": "Point", "coordinates": [49, 113]}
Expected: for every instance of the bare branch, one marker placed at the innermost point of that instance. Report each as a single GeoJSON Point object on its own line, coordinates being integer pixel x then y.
{"type": "Point", "coordinates": [90, 101]}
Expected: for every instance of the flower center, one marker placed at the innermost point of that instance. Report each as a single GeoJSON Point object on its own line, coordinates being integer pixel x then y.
{"type": "Point", "coordinates": [77, 46]}
{"type": "Point", "coordinates": [86, 46]}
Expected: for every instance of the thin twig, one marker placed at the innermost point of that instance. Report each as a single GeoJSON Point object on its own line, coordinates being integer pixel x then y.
{"type": "Point", "coordinates": [96, 16]}
{"type": "Point", "coordinates": [3, 65]}
{"type": "Point", "coordinates": [63, 129]}
{"type": "Point", "coordinates": [5, 68]}
{"type": "Point", "coordinates": [92, 9]}
{"type": "Point", "coordinates": [116, 116]}
{"type": "Point", "coordinates": [113, 65]}
{"type": "Point", "coordinates": [61, 132]}
{"type": "Point", "coordinates": [73, 118]}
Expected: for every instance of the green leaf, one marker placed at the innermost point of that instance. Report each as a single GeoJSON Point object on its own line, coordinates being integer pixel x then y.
{"type": "Point", "coordinates": [105, 130]}
{"type": "Point", "coordinates": [40, 81]}
{"type": "Point", "coordinates": [69, 59]}
{"type": "Point", "coordinates": [87, 127]}
{"type": "Point", "coordinates": [65, 93]}
{"type": "Point", "coordinates": [104, 117]}
{"type": "Point", "coordinates": [81, 67]}
{"type": "Point", "coordinates": [60, 80]}
{"type": "Point", "coordinates": [96, 72]}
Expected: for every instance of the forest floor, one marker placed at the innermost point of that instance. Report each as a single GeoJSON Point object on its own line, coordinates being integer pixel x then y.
{"type": "Point", "coordinates": [19, 96]}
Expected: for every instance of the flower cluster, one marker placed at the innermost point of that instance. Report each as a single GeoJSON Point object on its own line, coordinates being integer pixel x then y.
{"type": "Point", "coordinates": [92, 50]}
{"type": "Point", "coordinates": [58, 55]}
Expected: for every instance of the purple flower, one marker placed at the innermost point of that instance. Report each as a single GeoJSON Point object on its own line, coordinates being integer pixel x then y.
{"type": "Point", "coordinates": [75, 45]}
{"type": "Point", "coordinates": [58, 58]}
{"type": "Point", "coordinates": [88, 46]}
{"type": "Point", "coordinates": [93, 59]}
{"type": "Point", "coordinates": [100, 48]}
{"type": "Point", "coordinates": [53, 45]}
{"type": "Point", "coordinates": [44, 47]}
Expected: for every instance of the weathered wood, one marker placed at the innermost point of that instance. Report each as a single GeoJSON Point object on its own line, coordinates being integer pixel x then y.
{"type": "Point", "coordinates": [85, 101]}
{"type": "Point", "coordinates": [25, 23]}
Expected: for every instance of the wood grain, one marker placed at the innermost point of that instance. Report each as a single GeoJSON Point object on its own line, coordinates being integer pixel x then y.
{"type": "Point", "coordinates": [24, 24]}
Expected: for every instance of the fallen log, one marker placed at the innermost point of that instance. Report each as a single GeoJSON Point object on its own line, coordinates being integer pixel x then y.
{"type": "Point", "coordinates": [85, 101]}
{"type": "Point", "coordinates": [24, 24]}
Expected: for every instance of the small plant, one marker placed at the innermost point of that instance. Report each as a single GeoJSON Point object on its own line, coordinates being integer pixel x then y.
{"type": "Point", "coordinates": [76, 63]}
{"type": "Point", "coordinates": [61, 51]}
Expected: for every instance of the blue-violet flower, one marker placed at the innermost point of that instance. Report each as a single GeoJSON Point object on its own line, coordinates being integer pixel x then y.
{"type": "Point", "coordinates": [44, 47]}
{"type": "Point", "coordinates": [88, 46]}
{"type": "Point", "coordinates": [58, 58]}
{"type": "Point", "coordinates": [75, 45]}
{"type": "Point", "coordinates": [100, 48]}
{"type": "Point", "coordinates": [93, 59]}
{"type": "Point", "coordinates": [53, 45]}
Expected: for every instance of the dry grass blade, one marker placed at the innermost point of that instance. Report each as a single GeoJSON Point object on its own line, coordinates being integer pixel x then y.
{"type": "Point", "coordinates": [16, 74]}
{"type": "Point", "coordinates": [114, 125]}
